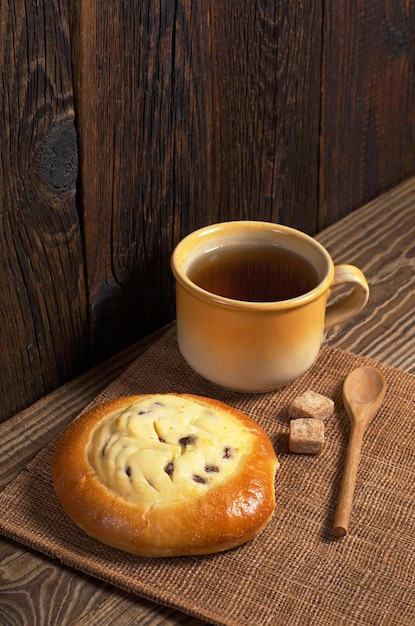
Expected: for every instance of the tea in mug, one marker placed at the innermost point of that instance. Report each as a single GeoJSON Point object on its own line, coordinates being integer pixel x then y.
{"type": "Point", "coordinates": [254, 273]}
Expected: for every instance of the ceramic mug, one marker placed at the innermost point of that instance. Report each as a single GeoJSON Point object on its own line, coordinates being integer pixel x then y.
{"type": "Point", "coordinates": [251, 302]}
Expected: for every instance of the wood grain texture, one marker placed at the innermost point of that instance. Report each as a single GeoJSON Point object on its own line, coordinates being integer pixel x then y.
{"type": "Point", "coordinates": [35, 590]}
{"type": "Point", "coordinates": [188, 113]}
{"type": "Point", "coordinates": [380, 239]}
{"type": "Point", "coordinates": [368, 103]}
{"type": "Point", "coordinates": [43, 314]}
{"type": "Point", "coordinates": [139, 74]}
{"type": "Point", "coordinates": [266, 63]}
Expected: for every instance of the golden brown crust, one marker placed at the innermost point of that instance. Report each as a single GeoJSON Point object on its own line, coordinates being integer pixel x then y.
{"type": "Point", "coordinates": [228, 515]}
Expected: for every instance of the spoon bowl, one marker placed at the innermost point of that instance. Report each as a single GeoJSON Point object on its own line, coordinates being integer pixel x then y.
{"type": "Point", "coordinates": [363, 393]}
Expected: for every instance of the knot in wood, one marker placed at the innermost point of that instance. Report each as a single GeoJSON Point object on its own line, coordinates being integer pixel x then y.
{"type": "Point", "coordinates": [57, 158]}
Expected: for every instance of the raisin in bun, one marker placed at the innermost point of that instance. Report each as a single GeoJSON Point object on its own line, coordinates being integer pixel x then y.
{"type": "Point", "coordinates": [166, 475]}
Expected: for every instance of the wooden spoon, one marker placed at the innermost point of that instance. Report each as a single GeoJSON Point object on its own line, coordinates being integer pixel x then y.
{"type": "Point", "coordinates": [363, 392]}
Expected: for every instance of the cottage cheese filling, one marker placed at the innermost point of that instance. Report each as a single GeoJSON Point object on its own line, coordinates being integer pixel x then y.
{"type": "Point", "coordinates": [166, 448]}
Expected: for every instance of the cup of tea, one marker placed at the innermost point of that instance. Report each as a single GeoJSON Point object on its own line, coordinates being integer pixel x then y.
{"type": "Point", "coordinates": [252, 302]}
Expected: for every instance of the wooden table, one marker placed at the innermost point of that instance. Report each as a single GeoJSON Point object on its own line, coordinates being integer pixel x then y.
{"type": "Point", "coordinates": [380, 239]}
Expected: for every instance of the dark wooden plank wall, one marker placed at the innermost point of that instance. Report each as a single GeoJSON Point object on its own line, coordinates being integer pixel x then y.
{"type": "Point", "coordinates": [185, 113]}
{"type": "Point", "coordinates": [202, 122]}
{"type": "Point", "coordinates": [368, 104]}
{"type": "Point", "coordinates": [43, 303]}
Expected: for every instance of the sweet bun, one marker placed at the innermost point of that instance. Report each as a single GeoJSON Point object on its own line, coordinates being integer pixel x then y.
{"type": "Point", "coordinates": [166, 475]}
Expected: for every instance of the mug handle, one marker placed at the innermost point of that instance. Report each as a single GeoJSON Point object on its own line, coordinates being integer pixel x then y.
{"type": "Point", "coordinates": [352, 303]}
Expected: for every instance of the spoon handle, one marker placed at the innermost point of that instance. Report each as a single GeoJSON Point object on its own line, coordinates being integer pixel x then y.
{"type": "Point", "coordinates": [348, 483]}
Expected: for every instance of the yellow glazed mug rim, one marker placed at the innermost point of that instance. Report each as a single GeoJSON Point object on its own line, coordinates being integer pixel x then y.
{"type": "Point", "coordinates": [180, 263]}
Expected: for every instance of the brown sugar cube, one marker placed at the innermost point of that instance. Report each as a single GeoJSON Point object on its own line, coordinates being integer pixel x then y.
{"type": "Point", "coordinates": [306, 436]}
{"type": "Point", "coordinates": [311, 404]}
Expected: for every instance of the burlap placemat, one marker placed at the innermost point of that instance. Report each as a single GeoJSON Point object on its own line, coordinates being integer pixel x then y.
{"type": "Point", "coordinates": [295, 572]}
